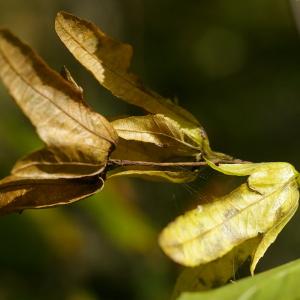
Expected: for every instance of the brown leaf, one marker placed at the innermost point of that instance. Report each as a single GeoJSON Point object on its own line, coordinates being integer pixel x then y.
{"type": "Point", "coordinates": [65, 73]}
{"type": "Point", "coordinates": [17, 194]}
{"type": "Point", "coordinates": [135, 150]}
{"type": "Point", "coordinates": [154, 174]}
{"type": "Point", "coordinates": [53, 105]}
{"type": "Point", "coordinates": [52, 163]}
{"type": "Point", "coordinates": [139, 151]}
{"type": "Point", "coordinates": [159, 130]}
{"type": "Point", "coordinates": [108, 60]}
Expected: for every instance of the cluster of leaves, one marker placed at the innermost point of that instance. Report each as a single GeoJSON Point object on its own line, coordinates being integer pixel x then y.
{"type": "Point", "coordinates": [83, 149]}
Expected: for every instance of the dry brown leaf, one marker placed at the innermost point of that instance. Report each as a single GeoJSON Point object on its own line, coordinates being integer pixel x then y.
{"type": "Point", "coordinates": [65, 73]}
{"type": "Point", "coordinates": [53, 105]}
{"type": "Point", "coordinates": [139, 151]}
{"type": "Point", "coordinates": [159, 130]}
{"type": "Point", "coordinates": [17, 194]}
{"type": "Point", "coordinates": [109, 61]}
{"type": "Point", "coordinates": [79, 141]}
{"type": "Point", "coordinates": [52, 163]}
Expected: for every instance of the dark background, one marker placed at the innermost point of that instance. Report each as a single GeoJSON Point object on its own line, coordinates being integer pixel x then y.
{"type": "Point", "coordinates": [234, 64]}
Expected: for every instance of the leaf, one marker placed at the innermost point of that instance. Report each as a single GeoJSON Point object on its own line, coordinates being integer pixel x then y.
{"type": "Point", "coordinates": [154, 174]}
{"type": "Point", "coordinates": [78, 140]}
{"type": "Point", "coordinates": [53, 105]}
{"type": "Point", "coordinates": [109, 60]}
{"type": "Point", "coordinates": [159, 130]}
{"type": "Point", "coordinates": [17, 193]}
{"type": "Point", "coordinates": [65, 73]}
{"type": "Point", "coordinates": [279, 283]}
{"type": "Point", "coordinates": [259, 207]}
{"type": "Point", "coordinates": [215, 273]}
{"type": "Point", "coordinates": [133, 150]}
{"type": "Point", "coordinates": [52, 163]}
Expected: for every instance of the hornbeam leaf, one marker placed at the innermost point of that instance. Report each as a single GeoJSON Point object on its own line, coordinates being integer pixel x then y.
{"type": "Point", "coordinates": [52, 163]}
{"type": "Point", "coordinates": [53, 105]}
{"type": "Point", "coordinates": [17, 193]}
{"type": "Point", "coordinates": [259, 207]}
{"type": "Point", "coordinates": [159, 130]}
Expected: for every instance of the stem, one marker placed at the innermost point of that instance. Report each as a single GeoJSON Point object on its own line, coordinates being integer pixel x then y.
{"type": "Point", "coordinates": [192, 164]}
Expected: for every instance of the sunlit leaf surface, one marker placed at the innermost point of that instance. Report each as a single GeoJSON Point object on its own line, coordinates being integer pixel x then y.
{"type": "Point", "coordinates": [259, 207]}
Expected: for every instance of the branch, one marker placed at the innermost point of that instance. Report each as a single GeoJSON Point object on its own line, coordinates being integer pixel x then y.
{"type": "Point", "coordinates": [191, 164]}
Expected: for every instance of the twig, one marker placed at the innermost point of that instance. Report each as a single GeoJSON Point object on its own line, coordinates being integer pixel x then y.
{"type": "Point", "coordinates": [191, 164]}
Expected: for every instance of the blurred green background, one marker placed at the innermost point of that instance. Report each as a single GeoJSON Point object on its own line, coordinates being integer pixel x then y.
{"type": "Point", "coordinates": [234, 64]}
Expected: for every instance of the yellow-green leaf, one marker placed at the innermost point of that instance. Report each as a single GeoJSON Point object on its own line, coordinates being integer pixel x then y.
{"type": "Point", "coordinates": [259, 207]}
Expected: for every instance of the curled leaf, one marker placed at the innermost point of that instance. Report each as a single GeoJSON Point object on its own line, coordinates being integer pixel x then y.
{"type": "Point", "coordinates": [259, 207]}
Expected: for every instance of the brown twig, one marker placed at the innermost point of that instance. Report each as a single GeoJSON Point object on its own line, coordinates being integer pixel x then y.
{"type": "Point", "coordinates": [191, 164]}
